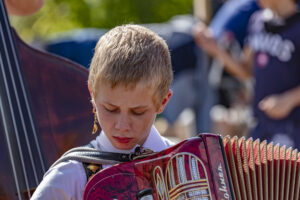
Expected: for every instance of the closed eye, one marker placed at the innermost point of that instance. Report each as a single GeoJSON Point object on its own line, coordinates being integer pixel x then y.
{"type": "Point", "coordinates": [111, 110]}
{"type": "Point", "coordinates": [138, 113]}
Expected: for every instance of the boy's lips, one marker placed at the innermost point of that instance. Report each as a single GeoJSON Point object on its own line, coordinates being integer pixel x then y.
{"type": "Point", "coordinates": [123, 140]}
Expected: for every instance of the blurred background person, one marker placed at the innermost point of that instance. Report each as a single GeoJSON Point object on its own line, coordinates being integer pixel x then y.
{"type": "Point", "coordinates": [271, 56]}
{"type": "Point", "coordinates": [232, 114]}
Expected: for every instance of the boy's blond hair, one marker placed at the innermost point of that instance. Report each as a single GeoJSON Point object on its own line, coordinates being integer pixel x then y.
{"type": "Point", "coordinates": [130, 54]}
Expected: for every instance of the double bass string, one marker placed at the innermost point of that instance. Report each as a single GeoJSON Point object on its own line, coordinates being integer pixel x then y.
{"type": "Point", "coordinates": [28, 109]}
{"type": "Point", "coordinates": [14, 118]}
{"type": "Point", "coordinates": [9, 96]}
{"type": "Point", "coordinates": [8, 141]}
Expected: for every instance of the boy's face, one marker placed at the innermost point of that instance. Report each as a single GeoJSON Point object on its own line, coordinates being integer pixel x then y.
{"type": "Point", "coordinates": [127, 114]}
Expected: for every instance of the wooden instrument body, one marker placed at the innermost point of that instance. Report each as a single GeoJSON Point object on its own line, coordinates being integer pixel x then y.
{"type": "Point", "coordinates": [186, 170]}
{"type": "Point", "coordinates": [59, 98]}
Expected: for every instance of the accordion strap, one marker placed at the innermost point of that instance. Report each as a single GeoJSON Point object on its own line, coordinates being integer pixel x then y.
{"type": "Point", "coordinates": [88, 154]}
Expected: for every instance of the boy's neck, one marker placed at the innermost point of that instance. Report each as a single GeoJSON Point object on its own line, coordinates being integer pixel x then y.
{"type": "Point", "coordinates": [284, 9]}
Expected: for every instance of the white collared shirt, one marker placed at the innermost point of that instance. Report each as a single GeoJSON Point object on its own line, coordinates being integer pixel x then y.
{"type": "Point", "coordinates": [67, 180]}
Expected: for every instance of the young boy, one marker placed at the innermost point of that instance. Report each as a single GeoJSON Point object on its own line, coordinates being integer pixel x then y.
{"type": "Point", "coordinates": [129, 82]}
{"type": "Point", "coordinates": [272, 56]}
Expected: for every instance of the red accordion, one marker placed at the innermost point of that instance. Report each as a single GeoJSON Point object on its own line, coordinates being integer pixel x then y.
{"type": "Point", "coordinates": [204, 168]}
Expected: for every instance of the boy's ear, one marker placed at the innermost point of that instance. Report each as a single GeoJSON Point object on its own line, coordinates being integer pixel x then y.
{"type": "Point", "coordinates": [165, 101]}
{"type": "Point", "coordinates": [90, 91]}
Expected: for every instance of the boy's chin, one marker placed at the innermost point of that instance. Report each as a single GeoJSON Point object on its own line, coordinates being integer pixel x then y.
{"type": "Point", "coordinates": [123, 146]}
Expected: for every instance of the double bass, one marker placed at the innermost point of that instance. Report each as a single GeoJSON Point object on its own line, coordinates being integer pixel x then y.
{"type": "Point", "coordinates": [45, 110]}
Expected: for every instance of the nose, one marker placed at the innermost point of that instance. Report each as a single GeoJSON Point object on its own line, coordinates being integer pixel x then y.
{"type": "Point", "coordinates": [123, 123]}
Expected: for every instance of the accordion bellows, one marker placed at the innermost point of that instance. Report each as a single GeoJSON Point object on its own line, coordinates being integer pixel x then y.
{"type": "Point", "coordinates": [261, 170]}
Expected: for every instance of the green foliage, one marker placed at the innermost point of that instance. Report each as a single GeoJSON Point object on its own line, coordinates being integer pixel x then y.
{"type": "Point", "coordinates": [63, 15]}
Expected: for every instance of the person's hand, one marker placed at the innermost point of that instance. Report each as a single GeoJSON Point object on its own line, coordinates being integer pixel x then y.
{"type": "Point", "coordinates": [204, 39]}
{"type": "Point", "coordinates": [276, 106]}
{"type": "Point", "coordinates": [23, 7]}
